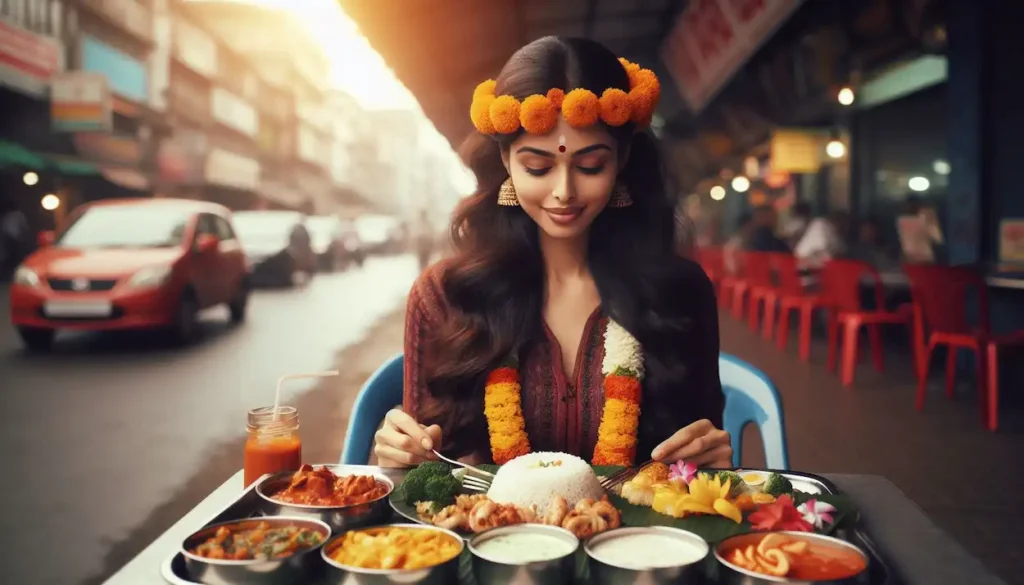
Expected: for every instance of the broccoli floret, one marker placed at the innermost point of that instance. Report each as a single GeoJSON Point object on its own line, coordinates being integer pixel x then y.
{"type": "Point", "coordinates": [737, 486]}
{"type": "Point", "coordinates": [414, 486]}
{"type": "Point", "coordinates": [442, 489]}
{"type": "Point", "coordinates": [777, 485]}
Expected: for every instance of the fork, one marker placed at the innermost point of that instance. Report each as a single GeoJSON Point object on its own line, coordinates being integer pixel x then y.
{"type": "Point", "coordinates": [466, 466]}
{"type": "Point", "coordinates": [623, 475]}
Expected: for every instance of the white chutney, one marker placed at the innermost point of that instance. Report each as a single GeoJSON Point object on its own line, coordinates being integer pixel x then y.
{"type": "Point", "coordinates": [647, 550]}
{"type": "Point", "coordinates": [519, 548]}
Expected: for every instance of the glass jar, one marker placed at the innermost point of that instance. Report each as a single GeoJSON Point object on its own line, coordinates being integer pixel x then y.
{"type": "Point", "coordinates": [273, 445]}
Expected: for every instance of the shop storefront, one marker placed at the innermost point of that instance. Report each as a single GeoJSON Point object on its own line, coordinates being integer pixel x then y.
{"type": "Point", "coordinates": [181, 164]}
{"type": "Point", "coordinates": [232, 179]}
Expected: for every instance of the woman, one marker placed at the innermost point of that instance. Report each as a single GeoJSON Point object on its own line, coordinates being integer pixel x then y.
{"type": "Point", "coordinates": [565, 303]}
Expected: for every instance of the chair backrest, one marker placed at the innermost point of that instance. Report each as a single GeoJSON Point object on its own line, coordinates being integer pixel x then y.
{"type": "Point", "coordinates": [787, 273]}
{"type": "Point", "coordinates": [750, 397]}
{"type": "Point", "coordinates": [841, 281]}
{"type": "Point", "coordinates": [381, 392]}
{"type": "Point", "coordinates": [942, 294]}
{"type": "Point", "coordinates": [758, 268]}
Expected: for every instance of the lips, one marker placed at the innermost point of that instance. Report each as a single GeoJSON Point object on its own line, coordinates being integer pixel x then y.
{"type": "Point", "coordinates": [565, 215]}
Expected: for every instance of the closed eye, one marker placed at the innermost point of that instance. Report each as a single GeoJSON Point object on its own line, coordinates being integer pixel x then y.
{"type": "Point", "coordinates": [538, 172]}
{"type": "Point", "coordinates": [591, 170]}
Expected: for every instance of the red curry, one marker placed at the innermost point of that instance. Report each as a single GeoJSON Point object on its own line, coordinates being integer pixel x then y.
{"type": "Point", "coordinates": [793, 557]}
{"type": "Point", "coordinates": [321, 487]}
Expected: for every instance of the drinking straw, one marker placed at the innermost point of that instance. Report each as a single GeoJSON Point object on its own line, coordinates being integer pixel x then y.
{"type": "Point", "coordinates": [283, 379]}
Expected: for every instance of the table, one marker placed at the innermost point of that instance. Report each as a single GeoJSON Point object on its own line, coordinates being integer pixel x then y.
{"type": "Point", "coordinates": [916, 548]}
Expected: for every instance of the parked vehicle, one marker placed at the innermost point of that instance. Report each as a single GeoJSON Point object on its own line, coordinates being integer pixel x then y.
{"type": "Point", "coordinates": [335, 242]}
{"type": "Point", "coordinates": [381, 234]}
{"type": "Point", "coordinates": [278, 245]}
{"type": "Point", "coordinates": [131, 264]}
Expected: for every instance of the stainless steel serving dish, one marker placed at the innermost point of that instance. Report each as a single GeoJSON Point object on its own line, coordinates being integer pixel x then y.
{"type": "Point", "coordinates": [447, 573]}
{"type": "Point", "coordinates": [556, 571]}
{"type": "Point", "coordinates": [604, 573]}
{"type": "Point", "coordinates": [734, 575]}
{"type": "Point", "coordinates": [339, 518]}
{"type": "Point", "coordinates": [303, 566]}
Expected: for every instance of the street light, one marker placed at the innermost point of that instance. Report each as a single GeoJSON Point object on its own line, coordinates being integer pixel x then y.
{"type": "Point", "coordinates": [718, 192]}
{"type": "Point", "coordinates": [846, 96]}
{"type": "Point", "coordinates": [740, 184]}
{"type": "Point", "coordinates": [835, 149]}
{"type": "Point", "coordinates": [919, 184]}
{"type": "Point", "coordinates": [30, 178]}
{"type": "Point", "coordinates": [50, 202]}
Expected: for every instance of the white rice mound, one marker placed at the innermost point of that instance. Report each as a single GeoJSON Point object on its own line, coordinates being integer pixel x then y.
{"type": "Point", "coordinates": [524, 483]}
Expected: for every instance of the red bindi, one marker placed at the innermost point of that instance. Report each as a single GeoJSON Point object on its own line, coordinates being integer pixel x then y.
{"type": "Point", "coordinates": [561, 148]}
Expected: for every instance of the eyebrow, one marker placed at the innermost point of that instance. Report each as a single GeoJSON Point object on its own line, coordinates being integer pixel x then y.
{"type": "Point", "coordinates": [582, 151]}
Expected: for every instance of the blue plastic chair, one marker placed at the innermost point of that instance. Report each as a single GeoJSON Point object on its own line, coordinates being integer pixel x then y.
{"type": "Point", "coordinates": [750, 397]}
{"type": "Point", "coordinates": [380, 393]}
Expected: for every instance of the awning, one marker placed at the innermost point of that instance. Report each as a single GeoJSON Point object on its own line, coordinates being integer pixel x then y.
{"type": "Point", "coordinates": [14, 154]}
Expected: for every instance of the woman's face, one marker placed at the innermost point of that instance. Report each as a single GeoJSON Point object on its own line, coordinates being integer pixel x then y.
{"type": "Point", "coordinates": [563, 179]}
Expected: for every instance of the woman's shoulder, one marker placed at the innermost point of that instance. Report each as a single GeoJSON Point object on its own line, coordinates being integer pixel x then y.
{"type": "Point", "coordinates": [427, 292]}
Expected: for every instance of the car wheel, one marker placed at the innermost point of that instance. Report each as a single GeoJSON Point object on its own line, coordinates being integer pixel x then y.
{"type": "Point", "coordinates": [240, 304]}
{"type": "Point", "coordinates": [37, 340]}
{"type": "Point", "coordinates": [186, 320]}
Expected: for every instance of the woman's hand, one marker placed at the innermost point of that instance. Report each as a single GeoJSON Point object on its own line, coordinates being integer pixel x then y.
{"type": "Point", "coordinates": [700, 444]}
{"type": "Point", "coordinates": [403, 442]}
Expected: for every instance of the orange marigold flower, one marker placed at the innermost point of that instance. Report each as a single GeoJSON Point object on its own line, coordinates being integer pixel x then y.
{"type": "Point", "coordinates": [504, 112]}
{"type": "Point", "coordinates": [485, 88]}
{"type": "Point", "coordinates": [619, 457]}
{"type": "Point", "coordinates": [581, 108]}
{"type": "Point", "coordinates": [630, 67]}
{"type": "Point", "coordinates": [480, 113]}
{"type": "Point", "coordinates": [614, 107]}
{"type": "Point", "coordinates": [538, 115]}
{"type": "Point", "coordinates": [556, 96]}
{"type": "Point", "coordinates": [624, 388]}
{"type": "Point", "coordinates": [642, 77]}
{"type": "Point", "coordinates": [641, 103]}
{"type": "Point", "coordinates": [503, 456]}
{"type": "Point", "coordinates": [501, 375]}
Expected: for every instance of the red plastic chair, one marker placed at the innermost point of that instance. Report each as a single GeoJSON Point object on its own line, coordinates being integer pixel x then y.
{"type": "Point", "coordinates": [940, 296]}
{"type": "Point", "coordinates": [758, 270]}
{"type": "Point", "coordinates": [739, 284]}
{"type": "Point", "coordinates": [793, 296]}
{"type": "Point", "coordinates": [840, 293]}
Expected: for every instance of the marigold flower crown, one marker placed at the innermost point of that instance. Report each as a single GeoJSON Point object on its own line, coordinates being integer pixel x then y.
{"type": "Point", "coordinates": [538, 114]}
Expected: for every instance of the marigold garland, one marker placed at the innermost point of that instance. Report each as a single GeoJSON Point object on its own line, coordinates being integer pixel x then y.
{"type": "Point", "coordinates": [617, 433]}
{"type": "Point", "coordinates": [537, 114]}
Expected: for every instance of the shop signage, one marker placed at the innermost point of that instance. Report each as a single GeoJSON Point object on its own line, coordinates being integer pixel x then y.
{"type": "Point", "coordinates": [1011, 241]}
{"type": "Point", "coordinates": [182, 157]}
{"type": "Point", "coordinates": [796, 151]}
{"type": "Point", "coordinates": [127, 75]}
{"type": "Point", "coordinates": [108, 148]}
{"type": "Point", "coordinates": [232, 170]}
{"type": "Point", "coordinates": [712, 39]}
{"type": "Point", "coordinates": [235, 113]}
{"type": "Point", "coordinates": [28, 60]}
{"type": "Point", "coordinates": [195, 48]}
{"type": "Point", "coordinates": [130, 15]}
{"type": "Point", "coordinates": [80, 101]}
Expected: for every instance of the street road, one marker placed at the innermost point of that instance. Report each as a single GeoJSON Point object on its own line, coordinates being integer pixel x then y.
{"type": "Point", "coordinates": [97, 436]}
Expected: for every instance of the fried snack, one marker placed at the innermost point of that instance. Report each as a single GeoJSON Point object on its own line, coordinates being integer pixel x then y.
{"type": "Point", "coordinates": [395, 548]}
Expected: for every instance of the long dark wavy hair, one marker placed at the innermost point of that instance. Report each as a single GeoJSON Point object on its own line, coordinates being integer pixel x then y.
{"type": "Point", "coordinates": [494, 283]}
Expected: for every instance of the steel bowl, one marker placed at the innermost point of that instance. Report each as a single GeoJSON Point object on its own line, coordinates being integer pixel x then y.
{"type": "Point", "coordinates": [302, 567]}
{"type": "Point", "coordinates": [339, 518]}
{"type": "Point", "coordinates": [734, 575]}
{"type": "Point", "coordinates": [490, 570]}
{"type": "Point", "coordinates": [446, 573]}
{"type": "Point", "coordinates": [603, 572]}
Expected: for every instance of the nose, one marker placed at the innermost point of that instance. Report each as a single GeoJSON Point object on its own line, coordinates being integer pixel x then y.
{"type": "Point", "coordinates": [563, 190]}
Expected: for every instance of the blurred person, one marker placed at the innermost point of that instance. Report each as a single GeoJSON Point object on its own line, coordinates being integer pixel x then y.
{"type": "Point", "coordinates": [824, 239]}
{"type": "Point", "coordinates": [796, 225]}
{"type": "Point", "coordinates": [737, 243]}
{"type": "Point", "coordinates": [565, 254]}
{"type": "Point", "coordinates": [762, 232]}
{"type": "Point", "coordinates": [870, 247]}
{"type": "Point", "coordinates": [919, 231]}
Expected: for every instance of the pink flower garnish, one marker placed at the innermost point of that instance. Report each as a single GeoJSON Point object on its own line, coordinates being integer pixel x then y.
{"type": "Point", "coordinates": [682, 470]}
{"type": "Point", "coordinates": [817, 513]}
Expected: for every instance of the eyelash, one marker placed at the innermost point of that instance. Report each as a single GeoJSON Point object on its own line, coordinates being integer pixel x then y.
{"type": "Point", "coordinates": [585, 170]}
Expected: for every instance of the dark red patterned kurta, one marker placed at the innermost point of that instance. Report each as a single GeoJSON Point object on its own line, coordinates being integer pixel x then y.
{"type": "Point", "coordinates": [561, 414]}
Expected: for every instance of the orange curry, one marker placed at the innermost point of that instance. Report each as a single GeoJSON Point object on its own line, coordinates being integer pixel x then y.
{"type": "Point", "coordinates": [257, 541]}
{"type": "Point", "coordinates": [321, 487]}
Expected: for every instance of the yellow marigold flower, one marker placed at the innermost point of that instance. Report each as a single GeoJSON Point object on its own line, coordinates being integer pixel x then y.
{"type": "Point", "coordinates": [511, 389]}
{"type": "Point", "coordinates": [506, 441]}
{"type": "Point", "coordinates": [502, 411]}
{"type": "Point", "coordinates": [618, 409]}
{"type": "Point", "coordinates": [485, 88]}
{"type": "Point", "coordinates": [538, 115]}
{"type": "Point", "coordinates": [556, 96]}
{"type": "Point", "coordinates": [507, 426]}
{"type": "Point", "coordinates": [480, 113]}
{"type": "Point", "coordinates": [504, 112]}
{"type": "Point", "coordinates": [615, 107]}
{"type": "Point", "coordinates": [581, 108]}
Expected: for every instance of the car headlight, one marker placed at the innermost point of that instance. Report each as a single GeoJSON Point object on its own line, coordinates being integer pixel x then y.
{"type": "Point", "coordinates": [26, 277]}
{"type": "Point", "coordinates": [151, 277]}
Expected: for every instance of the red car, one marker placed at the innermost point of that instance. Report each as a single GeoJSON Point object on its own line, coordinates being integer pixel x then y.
{"type": "Point", "coordinates": [131, 264]}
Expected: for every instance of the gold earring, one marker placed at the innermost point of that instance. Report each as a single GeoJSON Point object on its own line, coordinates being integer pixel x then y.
{"type": "Point", "coordinates": [507, 194]}
{"type": "Point", "coordinates": [620, 196]}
